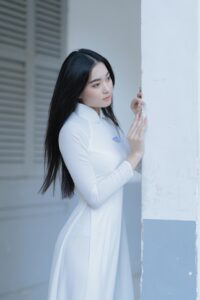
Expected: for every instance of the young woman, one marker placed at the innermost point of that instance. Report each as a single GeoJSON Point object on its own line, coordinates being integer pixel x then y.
{"type": "Point", "coordinates": [86, 146]}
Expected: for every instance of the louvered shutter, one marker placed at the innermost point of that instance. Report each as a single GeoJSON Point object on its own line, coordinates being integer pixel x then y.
{"type": "Point", "coordinates": [44, 81]}
{"type": "Point", "coordinates": [32, 48]}
{"type": "Point", "coordinates": [50, 40]}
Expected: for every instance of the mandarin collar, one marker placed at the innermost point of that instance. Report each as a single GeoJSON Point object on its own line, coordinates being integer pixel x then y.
{"type": "Point", "coordinates": [88, 113]}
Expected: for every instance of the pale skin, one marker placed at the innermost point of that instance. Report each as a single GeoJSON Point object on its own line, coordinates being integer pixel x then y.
{"type": "Point", "coordinates": [100, 86]}
{"type": "Point", "coordinates": [137, 131]}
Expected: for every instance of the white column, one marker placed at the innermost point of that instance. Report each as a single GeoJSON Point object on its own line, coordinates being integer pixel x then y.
{"type": "Point", "coordinates": [198, 161]}
{"type": "Point", "coordinates": [169, 83]}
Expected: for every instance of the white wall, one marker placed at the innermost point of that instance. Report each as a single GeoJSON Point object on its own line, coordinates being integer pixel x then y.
{"type": "Point", "coordinates": [169, 64]}
{"type": "Point", "coordinates": [171, 162]}
{"type": "Point", "coordinates": [198, 161]}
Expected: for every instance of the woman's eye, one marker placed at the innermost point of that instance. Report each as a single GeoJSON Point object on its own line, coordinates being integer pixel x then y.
{"type": "Point", "coordinates": [96, 85]}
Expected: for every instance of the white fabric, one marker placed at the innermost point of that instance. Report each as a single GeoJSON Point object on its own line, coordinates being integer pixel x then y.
{"type": "Point", "coordinates": [91, 257]}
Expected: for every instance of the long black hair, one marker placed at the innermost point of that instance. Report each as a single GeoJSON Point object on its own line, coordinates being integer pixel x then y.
{"type": "Point", "coordinates": [72, 78]}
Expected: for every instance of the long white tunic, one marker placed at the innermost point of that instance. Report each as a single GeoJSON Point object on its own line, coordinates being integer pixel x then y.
{"type": "Point", "coordinates": [91, 256]}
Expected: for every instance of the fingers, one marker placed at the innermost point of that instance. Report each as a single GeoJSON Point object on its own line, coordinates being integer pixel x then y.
{"type": "Point", "coordinates": [137, 102]}
{"type": "Point", "coordinates": [140, 123]}
{"type": "Point", "coordinates": [134, 124]}
{"type": "Point", "coordinates": [143, 129]}
{"type": "Point", "coordinates": [139, 128]}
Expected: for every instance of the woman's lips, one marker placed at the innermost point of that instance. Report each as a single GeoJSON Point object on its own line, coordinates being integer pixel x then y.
{"type": "Point", "coordinates": [107, 98]}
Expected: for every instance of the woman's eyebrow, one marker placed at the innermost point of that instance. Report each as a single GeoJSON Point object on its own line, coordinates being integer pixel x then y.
{"type": "Point", "coordinates": [97, 79]}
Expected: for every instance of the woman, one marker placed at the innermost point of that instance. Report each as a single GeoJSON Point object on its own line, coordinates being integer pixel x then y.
{"type": "Point", "coordinates": [95, 159]}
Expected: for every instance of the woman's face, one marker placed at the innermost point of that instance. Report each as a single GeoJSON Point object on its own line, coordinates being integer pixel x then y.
{"type": "Point", "coordinates": [98, 87]}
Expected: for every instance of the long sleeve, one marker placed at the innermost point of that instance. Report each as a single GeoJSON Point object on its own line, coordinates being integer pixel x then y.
{"type": "Point", "coordinates": [73, 145]}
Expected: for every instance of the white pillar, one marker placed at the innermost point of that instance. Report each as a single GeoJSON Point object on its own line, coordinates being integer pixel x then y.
{"type": "Point", "coordinates": [169, 83]}
{"type": "Point", "coordinates": [198, 160]}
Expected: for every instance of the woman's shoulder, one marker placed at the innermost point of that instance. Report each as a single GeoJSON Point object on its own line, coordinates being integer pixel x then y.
{"type": "Point", "coordinates": [75, 127]}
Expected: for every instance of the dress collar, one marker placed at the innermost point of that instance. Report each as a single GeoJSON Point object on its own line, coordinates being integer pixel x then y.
{"type": "Point", "coordinates": [88, 113]}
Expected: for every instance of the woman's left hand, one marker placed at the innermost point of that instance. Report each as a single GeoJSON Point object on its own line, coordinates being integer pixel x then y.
{"type": "Point", "coordinates": [137, 103]}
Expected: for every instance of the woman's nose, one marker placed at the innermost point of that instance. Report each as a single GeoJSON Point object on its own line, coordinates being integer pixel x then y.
{"type": "Point", "coordinates": [106, 87]}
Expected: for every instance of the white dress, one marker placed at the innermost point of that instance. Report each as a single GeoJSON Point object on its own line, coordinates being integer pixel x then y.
{"type": "Point", "coordinates": [91, 256]}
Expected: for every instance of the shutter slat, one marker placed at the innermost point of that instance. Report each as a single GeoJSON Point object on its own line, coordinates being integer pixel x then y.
{"type": "Point", "coordinates": [48, 19]}
{"type": "Point", "coordinates": [50, 27]}
{"type": "Point", "coordinates": [40, 124]}
{"type": "Point", "coordinates": [11, 66]}
{"type": "Point", "coordinates": [10, 41]}
{"type": "Point", "coordinates": [48, 6]}
{"type": "Point", "coordinates": [15, 82]}
{"type": "Point", "coordinates": [41, 107]}
{"type": "Point", "coordinates": [48, 38]}
{"type": "Point", "coordinates": [12, 89]}
{"type": "Point", "coordinates": [16, 6]}
{"type": "Point", "coordinates": [11, 132]}
{"type": "Point", "coordinates": [19, 22]}
{"type": "Point", "coordinates": [17, 2]}
{"type": "Point", "coordinates": [18, 148]}
{"type": "Point", "coordinates": [13, 34]}
{"type": "Point", "coordinates": [46, 51]}
{"type": "Point", "coordinates": [41, 10]}
{"type": "Point", "coordinates": [6, 97]}
{"type": "Point", "coordinates": [7, 118]}
{"type": "Point", "coordinates": [4, 103]}
{"type": "Point", "coordinates": [43, 89]}
{"type": "Point", "coordinates": [46, 82]}
{"type": "Point", "coordinates": [13, 21]}
{"type": "Point", "coordinates": [11, 74]}
{"type": "Point", "coordinates": [43, 94]}
{"type": "Point", "coordinates": [12, 112]}
{"type": "Point", "coordinates": [11, 161]}
{"type": "Point", "coordinates": [12, 28]}
{"type": "Point", "coordinates": [46, 44]}
{"type": "Point", "coordinates": [6, 155]}
{"type": "Point", "coordinates": [11, 141]}
{"type": "Point", "coordinates": [12, 13]}
{"type": "Point", "coordinates": [44, 31]}
{"type": "Point", "coordinates": [48, 75]}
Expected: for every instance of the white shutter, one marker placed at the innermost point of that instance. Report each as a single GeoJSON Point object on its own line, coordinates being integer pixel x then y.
{"type": "Point", "coordinates": [50, 36]}
{"type": "Point", "coordinates": [48, 28]}
{"type": "Point", "coordinates": [32, 48]}
{"type": "Point", "coordinates": [44, 82]}
{"type": "Point", "coordinates": [12, 112]}
{"type": "Point", "coordinates": [13, 39]}
{"type": "Point", "coordinates": [13, 20]}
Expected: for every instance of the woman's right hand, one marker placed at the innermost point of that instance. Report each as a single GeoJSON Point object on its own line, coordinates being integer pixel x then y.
{"type": "Point", "coordinates": [135, 138]}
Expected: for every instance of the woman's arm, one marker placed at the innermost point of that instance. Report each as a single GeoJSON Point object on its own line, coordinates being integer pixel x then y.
{"type": "Point", "coordinates": [73, 144]}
